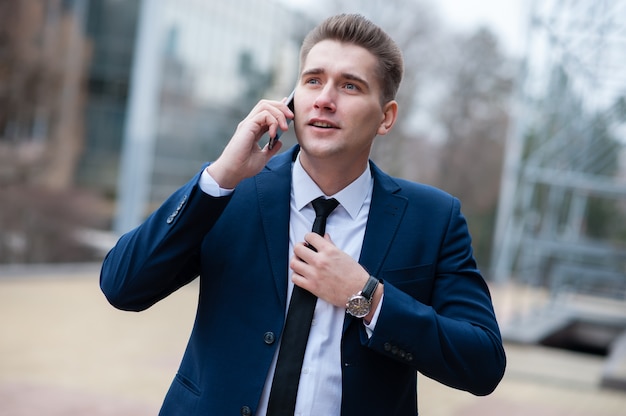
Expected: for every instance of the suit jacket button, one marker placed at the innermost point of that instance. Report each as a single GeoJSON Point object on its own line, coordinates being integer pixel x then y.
{"type": "Point", "coordinates": [387, 346]}
{"type": "Point", "coordinates": [246, 411]}
{"type": "Point", "coordinates": [269, 338]}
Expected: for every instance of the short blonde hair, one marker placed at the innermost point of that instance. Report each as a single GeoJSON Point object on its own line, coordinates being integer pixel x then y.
{"type": "Point", "coordinates": [356, 29]}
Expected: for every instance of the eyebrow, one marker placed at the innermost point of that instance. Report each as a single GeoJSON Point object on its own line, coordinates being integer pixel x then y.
{"type": "Point", "coordinates": [346, 75]}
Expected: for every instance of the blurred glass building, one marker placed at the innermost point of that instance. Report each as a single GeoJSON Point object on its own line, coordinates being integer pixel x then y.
{"type": "Point", "coordinates": [130, 97]}
{"type": "Point", "coordinates": [169, 81]}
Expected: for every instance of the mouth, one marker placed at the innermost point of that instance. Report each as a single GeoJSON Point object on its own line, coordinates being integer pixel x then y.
{"type": "Point", "coordinates": [322, 124]}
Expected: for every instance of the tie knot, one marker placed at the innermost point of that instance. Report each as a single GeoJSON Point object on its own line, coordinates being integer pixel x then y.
{"type": "Point", "coordinates": [323, 207]}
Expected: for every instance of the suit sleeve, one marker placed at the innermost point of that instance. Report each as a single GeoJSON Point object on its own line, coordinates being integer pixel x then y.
{"type": "Point", "coordinates": [453, 337]}
{"type": "Point", "coordinates": [162, 254]}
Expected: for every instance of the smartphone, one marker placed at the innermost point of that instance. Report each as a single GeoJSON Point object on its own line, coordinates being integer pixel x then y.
{"type": "Point", "coordinates": [279, 132]}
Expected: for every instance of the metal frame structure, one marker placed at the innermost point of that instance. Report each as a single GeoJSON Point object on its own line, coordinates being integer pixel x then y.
{"type": "Point", "coordinates": [565, 154]}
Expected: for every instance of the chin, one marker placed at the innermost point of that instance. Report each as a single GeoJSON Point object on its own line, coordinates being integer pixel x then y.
{"type": "Point", "coordinates": [319, 148]}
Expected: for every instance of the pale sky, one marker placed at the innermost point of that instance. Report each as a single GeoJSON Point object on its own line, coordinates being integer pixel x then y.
{"type": "Point", "coordinates": [506, 18]}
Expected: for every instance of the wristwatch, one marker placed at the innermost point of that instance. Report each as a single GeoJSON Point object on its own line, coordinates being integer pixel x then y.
{"type": "Point", "coordinates": [360, 304]}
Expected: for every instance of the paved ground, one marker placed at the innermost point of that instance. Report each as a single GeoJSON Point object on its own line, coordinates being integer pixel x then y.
{"type": "Point", "coordinates": [65, 351]}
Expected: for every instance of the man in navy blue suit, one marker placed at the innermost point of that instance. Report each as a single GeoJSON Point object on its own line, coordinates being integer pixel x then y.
{"type": "Point", "coordinates": [398, 290]}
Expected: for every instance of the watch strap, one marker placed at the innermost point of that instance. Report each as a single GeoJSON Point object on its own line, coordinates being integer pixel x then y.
{"type": "Point", "coordinates": [370, 288]}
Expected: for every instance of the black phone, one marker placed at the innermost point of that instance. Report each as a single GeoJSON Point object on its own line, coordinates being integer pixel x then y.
{"type": "Point", "coordinates": [279, 132]}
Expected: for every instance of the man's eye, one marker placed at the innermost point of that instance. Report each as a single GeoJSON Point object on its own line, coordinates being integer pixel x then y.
{"type": "Point", "coordinates": [351, 87]}
{"type": "Point", "coordinates": [312, 81]}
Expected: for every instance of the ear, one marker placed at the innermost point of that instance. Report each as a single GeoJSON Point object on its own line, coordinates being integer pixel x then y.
{"type": "Point", "coordinates": [390, 114]}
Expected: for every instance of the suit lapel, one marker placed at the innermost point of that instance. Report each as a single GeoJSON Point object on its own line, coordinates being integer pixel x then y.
{"type": "Point", "coordinates": [386, 212]}
{"type": "Point", "coordinates": [273, 192]}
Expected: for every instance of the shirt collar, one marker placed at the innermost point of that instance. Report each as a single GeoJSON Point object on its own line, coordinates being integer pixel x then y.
{"type": "Point", "coordinates": [351, 198]}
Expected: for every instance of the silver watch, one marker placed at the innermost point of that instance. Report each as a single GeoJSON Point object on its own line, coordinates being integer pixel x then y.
{"type": "Point", "coordinates": [360, 304]}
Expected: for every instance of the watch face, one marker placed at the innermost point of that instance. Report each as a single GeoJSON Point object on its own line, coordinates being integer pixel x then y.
{"type": "Point", "coordinates": [358, 306]}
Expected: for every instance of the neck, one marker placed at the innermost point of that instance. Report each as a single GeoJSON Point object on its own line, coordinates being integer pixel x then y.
{"type": "Point", "coordinates": [332, 176]}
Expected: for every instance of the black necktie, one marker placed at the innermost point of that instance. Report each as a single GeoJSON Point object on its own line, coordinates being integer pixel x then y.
{"type": "Point", "coordinates": [282, 401]}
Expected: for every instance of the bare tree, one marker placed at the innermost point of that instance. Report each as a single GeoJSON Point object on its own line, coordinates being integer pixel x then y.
{"type": "Point", "coordinates": [474, 113]}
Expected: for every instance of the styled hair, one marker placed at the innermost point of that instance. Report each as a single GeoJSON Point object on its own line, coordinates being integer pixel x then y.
{"type": "Point", "coordinates": [356, 29]}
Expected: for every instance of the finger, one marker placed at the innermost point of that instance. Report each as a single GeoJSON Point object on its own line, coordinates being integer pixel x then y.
{"type": "Point", "coordinates": [279, 109]}
{"type": "Point", "coordinates": [304, 251]}
{"type": "Point", "coordinates": [300, 269]}
{"type": "Point", "coordinates": [315, 240]}
{"type": "Point", "coordinates": [290, 114]}
{"type": "Point", "coordinates": [273, 123]}
{"type": "Point", "coordinates": [268, 120]}
{"type": "Point", "coordinates": [301, 281]}
{"type": "Point", "coordinates": [281, 112]}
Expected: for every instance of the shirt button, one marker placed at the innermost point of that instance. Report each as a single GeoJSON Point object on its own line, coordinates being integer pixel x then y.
{"type": "Point", "coordinates": [269, 338]}
{"type": "Point", "coordinates": [305, 370]}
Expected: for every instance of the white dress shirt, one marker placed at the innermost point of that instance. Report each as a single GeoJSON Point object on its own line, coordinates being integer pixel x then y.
{"type": "Point", "coordinates": [321, 369]}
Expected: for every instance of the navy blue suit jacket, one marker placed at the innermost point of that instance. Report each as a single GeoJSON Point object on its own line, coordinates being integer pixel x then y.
{"type": "Point", "coordinates": [436, 318]}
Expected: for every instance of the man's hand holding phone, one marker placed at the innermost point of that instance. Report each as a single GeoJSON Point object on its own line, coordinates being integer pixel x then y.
{"type": "Point", "coordinates": [243, 157]}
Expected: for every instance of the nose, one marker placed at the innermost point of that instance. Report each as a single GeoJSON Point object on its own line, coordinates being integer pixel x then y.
{"type": "Point", "coordinates": [325, 100]}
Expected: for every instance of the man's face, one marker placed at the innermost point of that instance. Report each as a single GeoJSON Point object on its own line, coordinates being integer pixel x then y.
{"type": "Point", "coordinates": [338, 107]}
